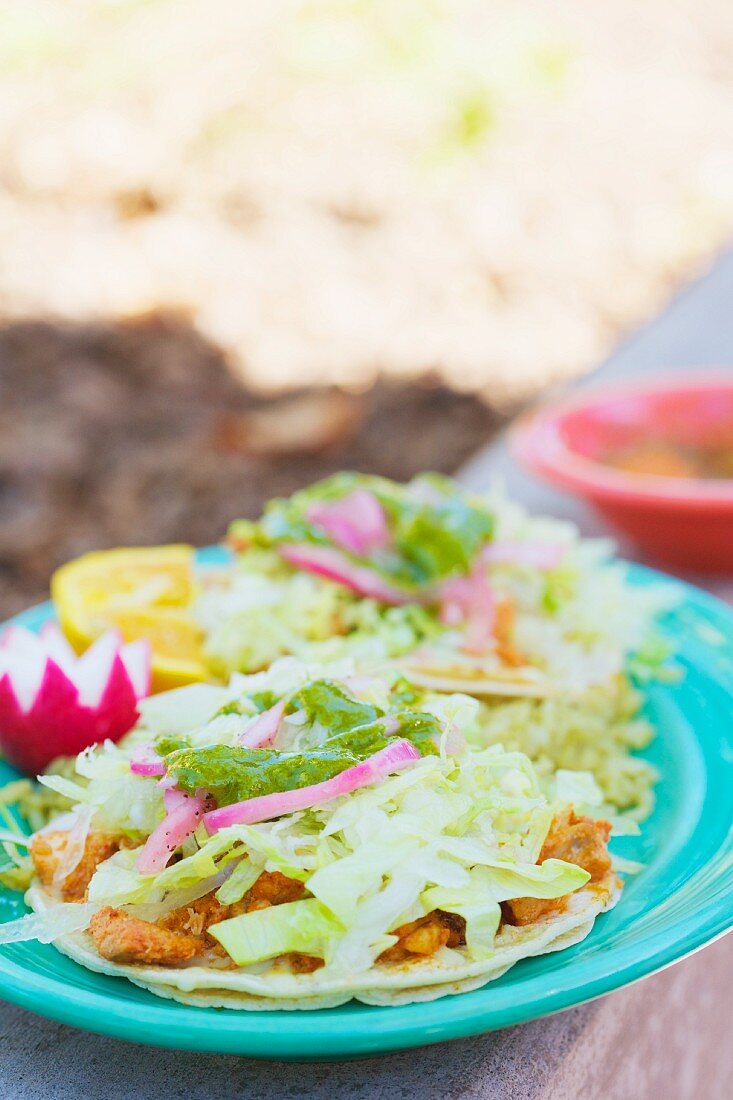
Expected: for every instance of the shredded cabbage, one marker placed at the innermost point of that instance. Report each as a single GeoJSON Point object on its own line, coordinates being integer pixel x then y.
{"type": "Point", "coordinates": [37, 804]}
{"type": "Point", "coordinates": [58, 920]}
{"type": "Point", "coordinates": [244, 875]}
{"type": "Point", "coordinates": [295, 926]}
{"type": "Point", "coordinates": [251, 619]}
{"type": "Point", "coordinates": [175, 712]}
{"type": "Point", "coordinates": [580, 625]}
{"type": "Point", "coordinates": [457, 832]}
{"type": "Point", "coordinates": [16, 871]}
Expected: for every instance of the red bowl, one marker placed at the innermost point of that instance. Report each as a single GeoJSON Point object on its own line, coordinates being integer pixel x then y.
{"type": "Point", "coordinates": [686, 522]}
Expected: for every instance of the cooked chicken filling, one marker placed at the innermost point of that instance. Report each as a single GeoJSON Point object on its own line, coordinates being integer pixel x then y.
{"type": "Point", "coordinates": [578, 840]}
{"type": "Point", "coordinates": [183, 933]}
{"type": "Point", "coordinates": [125, 939]}
{"type": "Point", "coordinates": [46, 851]}
{"type": "Point", "coordinates": [426, 936]}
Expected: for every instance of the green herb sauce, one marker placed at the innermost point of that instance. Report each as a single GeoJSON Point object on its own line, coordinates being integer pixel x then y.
{"type": "Point", "coordinates": [354, 730]}
{"type": "Point", "coordinates": [328, 704]}
{"type": "Point", "coordinates": [233, 773]}
{"type": "Point", "coordinates": [164, 746]}
{"type": "Point", "coordinates": [434, 535]}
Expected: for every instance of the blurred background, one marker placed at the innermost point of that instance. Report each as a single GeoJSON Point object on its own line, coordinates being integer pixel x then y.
{"type": "Point", "coordinates": [243, 244]}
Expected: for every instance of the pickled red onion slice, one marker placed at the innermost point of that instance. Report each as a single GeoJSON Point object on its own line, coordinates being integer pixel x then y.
{"type": "Point", "coordinates": [356, 523]}
{"type": "Point", "coordinates": [263, 730]}
{"type": "Point", "coordinates": [535, 555]}
{"type": "Point", "coordinates": [469, 602]}
{"type": "Point", "coordinates": [146, 761]}
{"type": "Point", "coordinates": [329, 562]}
{"type": "Point", "coordinates": [397, 755]}
{"type": "Point", "coordinates": [183, 814]}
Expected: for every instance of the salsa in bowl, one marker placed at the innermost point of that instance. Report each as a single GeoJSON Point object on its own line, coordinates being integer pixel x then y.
{"type": "Point", "coordinates": [654, 458]}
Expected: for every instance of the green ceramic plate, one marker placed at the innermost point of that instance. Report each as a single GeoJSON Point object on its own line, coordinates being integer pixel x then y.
{"type": "Point", "coordinates": [681, 901]}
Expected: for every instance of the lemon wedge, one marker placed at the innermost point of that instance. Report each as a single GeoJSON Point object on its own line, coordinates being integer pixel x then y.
{"type": "Point", "coordinates": [144, 592]}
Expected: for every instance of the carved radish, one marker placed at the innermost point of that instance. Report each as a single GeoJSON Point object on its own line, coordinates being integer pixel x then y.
{"type": "Point", "coordinates": [53, 703]}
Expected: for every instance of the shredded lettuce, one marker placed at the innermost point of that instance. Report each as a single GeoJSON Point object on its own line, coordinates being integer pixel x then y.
{"type": "Point", "coordinates": [122, 802]}
{"type": "Point", "coordinates": [16, 870]}
{"type": "Point", "coordinates": [58, 920]}
{"type": "Point", "coordinates": [17, 876]}
{"type": "Point", "coordinates": [577, 789]}
{"type": "Point", "coordinates": [303, 926]}
{"type": "Point", "coordinates": [176, 712]}
{"type": "Point", "coordinates": [35, 804]}
{"type": "Point", "coordinates": [16, 839]}
{"type": "Point", "coordinates": [627, 866]}
{"type": "Point", "coordinates": [244, 875]}
{"type": "Point", "coordinates": [461, 833]}
{"type": "Point", "coordinates": [251, 619]}
{"type": "Point", "coordinates": [482, 916]}
{"type": "Point", "coordinates": [65, 787]}
{"type": "Point", "coordinates": [581, 625]}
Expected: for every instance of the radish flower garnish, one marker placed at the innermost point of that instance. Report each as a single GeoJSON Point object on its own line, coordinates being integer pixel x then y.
{"type": "Point", "coordinates": [54, 703]}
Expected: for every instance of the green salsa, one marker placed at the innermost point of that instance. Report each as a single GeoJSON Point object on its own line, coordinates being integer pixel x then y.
{"type": "Point", "coordinates": [354, 730]}
{"type": "Point", "coordinates": [232, 773]}
{"type": "Point", "coordinates": [326, 702]}
{"type": "Point", "coordinates": [436, 528]}
{"type": "Point", "coordinates": [164, 746]}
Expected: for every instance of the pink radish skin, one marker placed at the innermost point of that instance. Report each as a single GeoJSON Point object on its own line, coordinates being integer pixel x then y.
{"type": "Point", "coordinates": [42, 714]}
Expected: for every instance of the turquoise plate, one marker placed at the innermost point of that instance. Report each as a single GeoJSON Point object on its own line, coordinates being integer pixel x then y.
{"type": "Point", "coordinates": [679, 902]}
